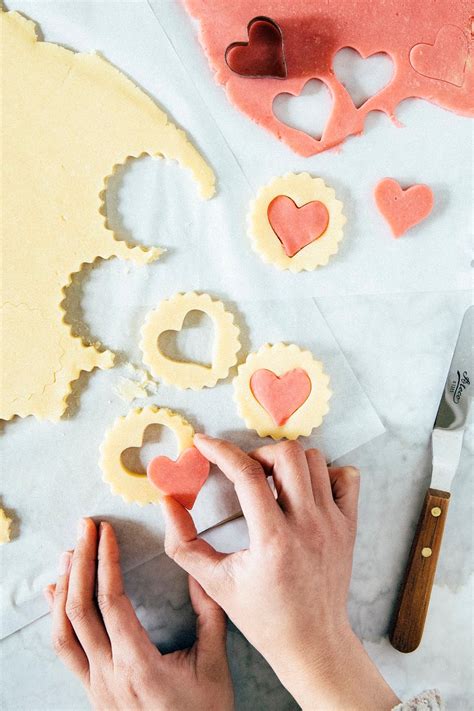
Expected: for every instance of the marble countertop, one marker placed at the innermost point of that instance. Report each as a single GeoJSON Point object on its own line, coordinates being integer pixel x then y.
{"type": "Point", "coordinates": [400, 348]}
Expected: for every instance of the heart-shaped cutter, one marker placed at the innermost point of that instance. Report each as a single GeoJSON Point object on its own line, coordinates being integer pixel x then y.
{"type": "Point", "coordinates": [128, 432]}
{"type": "Point", "coordinates": [280, 358]}
{"type": "Point", "coordinates": [275, 26]}
{"type": "Point", "coordinates": [169, 316]}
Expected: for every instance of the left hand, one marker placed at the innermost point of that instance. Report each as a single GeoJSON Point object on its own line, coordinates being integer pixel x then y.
{"type": "Point", "coordinates": [99, 637]}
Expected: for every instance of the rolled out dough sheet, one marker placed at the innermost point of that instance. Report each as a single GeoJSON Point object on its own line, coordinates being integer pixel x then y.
{"type": "Point", "coordinates": [68, 119]}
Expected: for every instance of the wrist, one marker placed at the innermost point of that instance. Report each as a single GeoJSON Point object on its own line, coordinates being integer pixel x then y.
{"type": "Point", "coordinates": [334, 673]}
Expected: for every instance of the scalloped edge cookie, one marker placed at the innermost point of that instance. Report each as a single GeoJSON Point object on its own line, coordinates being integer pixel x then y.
{"type": "Point", "coordinates": [301, 188]}
{"type": "Point", "coordinates": [169, 316]}
{"type": "Point", "coordinates": [128, 431]}
{"type": "Point", "coordinates": [280, 358]}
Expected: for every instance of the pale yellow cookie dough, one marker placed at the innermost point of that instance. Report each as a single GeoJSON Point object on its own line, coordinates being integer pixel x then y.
{"type": "Point", "coordinates": [67, 120]}
{"type": "Point", "coordinates": [281, 358]}
{"type": "Point", "coordinates": [301, 188]}
{"type": "Point", "coordinates": [169, 315]}
{"type": "Point", "coordinates": [128, 432]}
{"type": "Point", "coordinates": [5, 524]}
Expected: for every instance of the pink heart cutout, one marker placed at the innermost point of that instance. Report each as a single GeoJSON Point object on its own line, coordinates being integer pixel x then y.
{"type": "Point", "coordinates": [444, 60]}
{"type": "Point", "coordinates": [296, 227]}
{"type": "Point", "coordinates": [402, 209]}
{"type": "Point", "coordinates": [181, 479]}
{"type": "Point", "coordinates": [280, 396]}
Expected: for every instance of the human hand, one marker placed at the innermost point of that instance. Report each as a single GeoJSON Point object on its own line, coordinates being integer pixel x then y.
{"type": "Point", "coordinates": [99, 637]}
{"type": "Point", "coordinates": [287, 593]}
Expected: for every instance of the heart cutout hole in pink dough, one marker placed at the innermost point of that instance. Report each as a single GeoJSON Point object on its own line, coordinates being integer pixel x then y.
{"type": "Point", "coordinates": [183, 478]}
{"type": "Point", "coordinates": [362, 77]}
{"type": "Point", "coordinates": [193, 343]}
{"type": "Point", "coordinates": [281, 396]}
{"type": "Point", "coordinates": [308, 111]}
{"type": "Point", "coordinates": [297, 227]}
{"type": "Point", "coordinates": [156, 440]}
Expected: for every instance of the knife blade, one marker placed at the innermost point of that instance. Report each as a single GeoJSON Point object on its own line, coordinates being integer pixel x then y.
{"type": "Point", "coordinates": [446, 439]}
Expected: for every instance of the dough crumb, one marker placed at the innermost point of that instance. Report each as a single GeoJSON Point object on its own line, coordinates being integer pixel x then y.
{"type": "Point", "coordinates": [140, 385]}
{"type": "Point", "coordinates": [5, 524]}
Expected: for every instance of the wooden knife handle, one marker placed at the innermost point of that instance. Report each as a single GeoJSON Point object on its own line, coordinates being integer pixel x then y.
{"type": "Point", "coordinates": [415, 592]}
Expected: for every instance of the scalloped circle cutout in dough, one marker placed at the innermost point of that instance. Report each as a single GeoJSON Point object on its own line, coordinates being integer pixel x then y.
{"type": "Point", "coordinates": [67, 119]}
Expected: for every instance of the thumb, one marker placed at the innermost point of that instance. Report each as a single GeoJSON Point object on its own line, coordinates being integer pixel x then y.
{"type": "Point", "coordinates": [345, 484]}
{"type": "Point", "coordinates": [193, 554]}
{"type": "Point", "coordinates": [211, 623]}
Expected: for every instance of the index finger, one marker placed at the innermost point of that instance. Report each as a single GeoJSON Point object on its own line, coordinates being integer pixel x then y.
{"type": "Point", "coordinates": [261, 511]}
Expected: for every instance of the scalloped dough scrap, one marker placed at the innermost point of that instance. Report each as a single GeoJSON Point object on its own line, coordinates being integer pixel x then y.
{"type": "Point", "coordinates": [128, 432]}
{"type": "Point", "coordinates": [169, 316]}
{"type": "Point", "coordinates": [302, 189]}
{"type": "Point", "coordinates": [282, 359]}
{"type": "Point", "coordinates": [313, 32]}
{"type": "Point", "coordinates": [68, 119]}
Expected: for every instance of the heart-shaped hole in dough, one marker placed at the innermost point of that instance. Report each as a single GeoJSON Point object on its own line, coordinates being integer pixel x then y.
{"type": "Point", "coordinates": [157, 441]}
{"type": "Point", "coordinates": [193, 343]}
{"type": "Point", "coordinates": [362, 77]}
{"type": "Point", "coordinates": [308, 111]}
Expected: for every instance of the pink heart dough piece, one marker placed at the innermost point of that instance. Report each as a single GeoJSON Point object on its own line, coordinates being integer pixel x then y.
{"type": "Point", "coordinates": [296, 227]}
{"type": "Point", "coordinates": [444, 60]}
{"type": "Point", "coordinates": [280, 396]}
{"type": "Point", "coordinates": [181, 479]}
{"type": "Point", "coordinates": [402, 209]}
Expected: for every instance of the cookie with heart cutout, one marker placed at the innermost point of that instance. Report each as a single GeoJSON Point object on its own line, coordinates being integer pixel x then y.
{"type": "Point", "coordinates": [169, 316]}
{"type": "Point", "coordinates": [282, 391]}
{"type": "Point", "coordinates": [129, 432]}
{"type": "Point", "coordinates": [296, 222]}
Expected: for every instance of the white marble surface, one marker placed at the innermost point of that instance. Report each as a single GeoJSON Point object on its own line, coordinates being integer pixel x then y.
{"type": "Point", "coordinates": [400, 348]}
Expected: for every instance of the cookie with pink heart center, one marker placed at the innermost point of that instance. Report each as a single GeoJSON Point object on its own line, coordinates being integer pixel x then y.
{"type": "Point", "coordinates": [402, 209]}
{"type": "Point", "coordinates": [280, 396]}
{"type": "Point", "coordinates": [181, 479]}
{"type": "Point", "coordinates": [296, 227]}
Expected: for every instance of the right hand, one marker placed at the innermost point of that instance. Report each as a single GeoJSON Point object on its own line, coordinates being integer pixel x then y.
{"type": "Point", "coordinates": [287, 593]}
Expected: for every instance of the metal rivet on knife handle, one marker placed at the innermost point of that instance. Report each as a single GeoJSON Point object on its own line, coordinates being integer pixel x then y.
{"type": "Point", "coordinates": [436, 511]}
{"type": "Point", "coordinates": [426, 552]}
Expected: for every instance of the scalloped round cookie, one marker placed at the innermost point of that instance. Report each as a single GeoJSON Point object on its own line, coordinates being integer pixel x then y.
{"type": "Point", "coordinates": [127, 432]}
{"type": "Point", "coordinates": [296, 222]}
{"type": "Point", "coordinates": [169, 316]}
{"type": "Point", "coordinates": [282, 391]}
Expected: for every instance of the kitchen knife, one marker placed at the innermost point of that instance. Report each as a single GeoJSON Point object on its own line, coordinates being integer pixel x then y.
{"type": "Point", "coordinates": [446, 441]}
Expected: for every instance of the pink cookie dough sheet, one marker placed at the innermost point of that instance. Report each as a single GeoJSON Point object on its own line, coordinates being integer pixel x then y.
{"type": "Point", "coordinates": [430, 44]}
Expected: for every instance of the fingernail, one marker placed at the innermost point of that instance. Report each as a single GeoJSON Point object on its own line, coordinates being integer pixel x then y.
{"type": "Point", "coordinates": [200, 436]}
{"type": "Point", "coordinates": [65, 563]}
{"type": "Point", "coordinates": [353, 471]}
{"type": "Point", "coordinates": [101, 528]}
{"type": "Point", "coordinates": [81, 528]}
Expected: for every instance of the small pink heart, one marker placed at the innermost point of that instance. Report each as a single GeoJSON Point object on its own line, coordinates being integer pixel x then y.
{"type": "Point", "coordinates": [280, 396]}
{"type": "Point", "coordinates": [181, 479]}
{"type": "Point", "coordinates": [296, 227]}
{"type": "Point", "coordinates": [402, 209]}
{"type": "Point", "coordinates": [444, 60]}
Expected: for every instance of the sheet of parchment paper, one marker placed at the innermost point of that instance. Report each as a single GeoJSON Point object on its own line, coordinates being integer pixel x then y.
{"type": "Point", "coordinates": [50, 471]}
